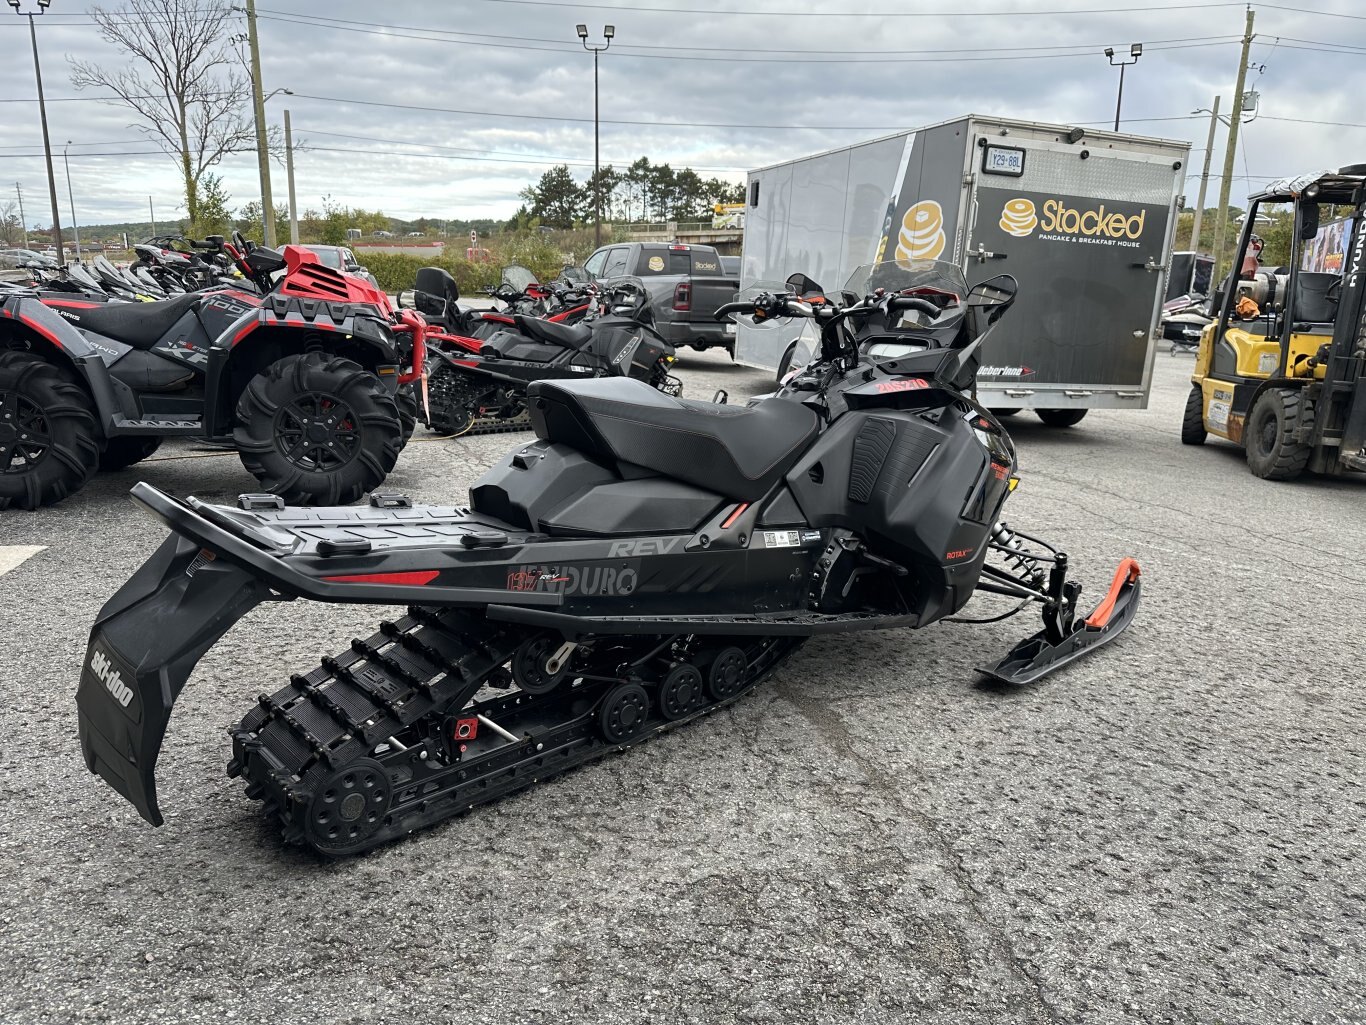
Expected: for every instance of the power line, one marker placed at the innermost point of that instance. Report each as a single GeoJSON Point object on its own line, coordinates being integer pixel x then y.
{"type": "Point", "coordinates": [1012, 14]}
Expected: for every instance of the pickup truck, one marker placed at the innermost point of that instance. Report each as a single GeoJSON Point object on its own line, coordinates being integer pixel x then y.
{"type": "Point", "coordinates": [686, 283]}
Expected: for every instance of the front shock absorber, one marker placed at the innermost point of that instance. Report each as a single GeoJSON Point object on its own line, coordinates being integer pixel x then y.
{"type": "Point", "coordinates": [1017, 559]}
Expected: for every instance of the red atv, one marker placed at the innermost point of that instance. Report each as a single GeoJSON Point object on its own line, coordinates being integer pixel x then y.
{"type": "Point", "coordinates": [306, 374]}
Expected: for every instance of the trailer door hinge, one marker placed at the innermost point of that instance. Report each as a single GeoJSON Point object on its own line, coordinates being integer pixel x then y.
{"type": "Point", "coordinates": [1077, 394]}
{"type": "Point", "coordinates": [1151, 265]}
{"type": "Point", "coordinates": [981, 255]}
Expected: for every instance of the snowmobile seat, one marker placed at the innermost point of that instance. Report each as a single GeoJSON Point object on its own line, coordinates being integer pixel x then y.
{"type": "Point", "coordinates": [570, 336]}
{"type": "Point", "coordinates": [140, 325]}
{"type": "Point", "coordinates": [737, 451]}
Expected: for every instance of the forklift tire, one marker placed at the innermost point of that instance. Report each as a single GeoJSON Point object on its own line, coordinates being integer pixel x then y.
{"type": "Point", "coordinates": [1271, 452]}
{"type": "Point", "coordinates": [1193, 423]}
{"type": "Point", "coordinates": [48, 447]}
{"type": "Point", "coordinates": [125, 450]}
{"type": "Point", "coordinates": [1061, 417]}
{"type": "Point", "coordinates": [318, 429]}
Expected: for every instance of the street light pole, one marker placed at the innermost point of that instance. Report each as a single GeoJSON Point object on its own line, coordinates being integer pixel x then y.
{"type": "Point", "coordinates": [289, 170]}
{"type": "Point", "coordinates": [43, 5]}
{"type": "Point", "coordinates": [608, 33]}
{"type": "Point", "coordinates": [1204, 177]}
{"type": "Point", "coordinates": [1135, 51]}
{"type": "Point", "coordinates": [71, 198]}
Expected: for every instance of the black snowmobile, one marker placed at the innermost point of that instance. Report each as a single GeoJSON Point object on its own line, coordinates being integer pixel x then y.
{"type": "Point", "coordinates": [482, 378]}
{"type": "Point", "coordinates": [644, 562]}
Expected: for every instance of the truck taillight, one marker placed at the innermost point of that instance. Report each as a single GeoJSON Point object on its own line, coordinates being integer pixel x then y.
{"type": "Point", "coordinates": [683, 297]}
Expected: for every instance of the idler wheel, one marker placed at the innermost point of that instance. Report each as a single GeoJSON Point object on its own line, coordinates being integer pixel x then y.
{"type": "Point", "coordinates": [624, 712]}
{"type": "Point", "coordinates": [529, 665]}
{"type": "Point", "coordinates": [680, 692]}
{"type": "Point", "coordinates": [349, 807]}
{"type": "Point", "coordinates": [729, 673]}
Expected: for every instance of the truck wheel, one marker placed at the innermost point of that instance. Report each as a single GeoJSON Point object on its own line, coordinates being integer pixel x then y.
{"type": "Point", "coordinates": [1271, 453]}
{"type": "Point", "coordinates": [317, 429]}
{"type": "Point", "coordinates": [124, 451]}
{"type": "Point", "coordinates": [1193, 423]}
{"type": "Point", "coordinates": [48, 445]}
{"type": "Point", "coordinates": [1061, 417]}
{"type": "Point", "coordinates": [785, 364]}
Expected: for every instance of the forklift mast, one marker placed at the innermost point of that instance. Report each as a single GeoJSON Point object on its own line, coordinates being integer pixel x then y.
{"type": "Point", "coordinates": [1347, 357]}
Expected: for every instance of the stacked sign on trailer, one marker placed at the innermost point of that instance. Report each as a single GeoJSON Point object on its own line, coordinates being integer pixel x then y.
{"type": "Point", "coordinates": [1083, 220]}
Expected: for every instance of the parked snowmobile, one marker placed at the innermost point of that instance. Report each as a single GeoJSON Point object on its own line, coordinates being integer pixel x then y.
{"type": "Point", "coordinates": [306, 377]}
{"type": "Point", "coordinates": [485, 379]}
{"type": "Point", "coordinates": [642, 563]}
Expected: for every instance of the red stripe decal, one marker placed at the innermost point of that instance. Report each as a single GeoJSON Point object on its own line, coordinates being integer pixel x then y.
{"type": "Point", "coordinates": [413, 578]}
{"type": "Point", "coordinates": [735, 515]}
{"type": "Point", "coordinates": [71, 304]}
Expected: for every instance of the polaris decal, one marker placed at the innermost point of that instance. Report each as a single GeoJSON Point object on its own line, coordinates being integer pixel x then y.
{"type": "Point", "coordinates": [111, 678]}
{"type": "Point", "coordinates": [613, 580]}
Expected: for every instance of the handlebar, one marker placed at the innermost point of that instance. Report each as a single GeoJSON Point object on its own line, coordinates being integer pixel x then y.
{"type": "Point", "coordinates": [910, 302]}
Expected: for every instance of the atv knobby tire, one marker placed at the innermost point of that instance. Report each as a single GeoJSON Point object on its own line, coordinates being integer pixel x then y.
{"type": "Point", "coordinates": [1272, 454]}
{"type": "Point", "coordinates": [318, 429]}
{"type": "Point", "coordinates": [1193, 423]}
{"type": "Point", "coordinates": [408, 410]}
{"type": "Point", "coordinates": [48, 445]}
{"type": "Point", "coordinates": [122, 452]}
{"type": "Point", "coordinates": [1061, 417]}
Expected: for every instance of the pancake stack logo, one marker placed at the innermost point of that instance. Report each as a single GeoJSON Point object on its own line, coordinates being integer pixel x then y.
{"type": "Point", "coordinates": [922, 233]}
{"type": "Point", "coordinates": [1019, 217]}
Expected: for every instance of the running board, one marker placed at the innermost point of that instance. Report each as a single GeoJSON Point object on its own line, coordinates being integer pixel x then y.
{"type": "Point", "coordinates": [776, 624]}
{"type": "Point", "coordinates": [121, 426]}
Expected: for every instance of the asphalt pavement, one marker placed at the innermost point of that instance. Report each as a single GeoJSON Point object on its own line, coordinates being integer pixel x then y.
{"type": "Point", "coordinates": [1169, 830]}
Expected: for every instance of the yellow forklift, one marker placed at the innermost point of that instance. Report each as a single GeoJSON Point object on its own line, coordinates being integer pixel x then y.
{"type": "Point", "coordinates": [1282, 369]}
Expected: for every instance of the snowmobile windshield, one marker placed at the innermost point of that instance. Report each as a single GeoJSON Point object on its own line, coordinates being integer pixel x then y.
{"type": "Point", "coordinates": [918, 277]}
{"type": "Point", "coordinates": [518, 277]}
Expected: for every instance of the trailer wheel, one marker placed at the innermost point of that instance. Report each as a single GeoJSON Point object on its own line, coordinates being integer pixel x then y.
{"type": "Point", "coordinates": [785, 364]}
{"type": "Point", "coordinates": [1061, 417]}
{"type": "Point", "coordinates": [47, 433]}
{"type": "Point", "coordinates": [125, 450]}
{"type": "Point", "coordinates": [1272, 454]}
{"type": "Point", "coordinates": [1193, 423]}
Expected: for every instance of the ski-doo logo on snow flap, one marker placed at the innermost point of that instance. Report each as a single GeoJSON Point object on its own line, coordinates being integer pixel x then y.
{"type": "Point", "coordinates": [111, 678]}
{"type": "Point", "coordinates": [616, 581]}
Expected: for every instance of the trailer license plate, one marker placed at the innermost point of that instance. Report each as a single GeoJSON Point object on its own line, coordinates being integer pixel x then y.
{"type": "Point", "coordinates": [730, 327]}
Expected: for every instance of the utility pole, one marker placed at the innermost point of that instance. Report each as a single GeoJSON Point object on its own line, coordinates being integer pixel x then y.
{"type": "Point", "coordinates": [152, 214]}
{"type": "Point", "coordinates": [1204, 177]}
{"type": "Point", "coordinates": [71, 197]}
{"type": "Point", "coordinates": [262, 145]}
{"type": "Point", "coordinates": [47, 143]}
{"type": "Point", "coordinates": [1232, 151]}
{"type": "Point", "coordinates": [289, 167]}
{"type": "Point", "coordinates": [23, 224]}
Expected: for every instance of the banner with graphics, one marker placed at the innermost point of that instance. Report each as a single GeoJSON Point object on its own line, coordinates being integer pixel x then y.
{"type": "Point", "coordinates": [1085, 301]}
{"type": "Point", "coordinates": [922, 215]}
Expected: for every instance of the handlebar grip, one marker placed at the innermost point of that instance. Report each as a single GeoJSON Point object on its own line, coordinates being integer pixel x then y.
{"type": "Point", "coordinates": [725, 310]}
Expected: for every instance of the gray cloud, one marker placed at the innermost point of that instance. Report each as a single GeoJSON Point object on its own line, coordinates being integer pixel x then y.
{"type": "Point", "coordinates": [328, 59]}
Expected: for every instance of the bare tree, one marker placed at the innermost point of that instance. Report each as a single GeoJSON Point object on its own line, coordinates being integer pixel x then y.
{"type": "Point", "coordinates": [10, 228]}
{"type": "Point", "coordinates": [183, 81]}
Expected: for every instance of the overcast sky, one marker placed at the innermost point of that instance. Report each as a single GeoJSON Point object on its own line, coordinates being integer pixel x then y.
{"type": "Point", "coordinates": [790, 76]}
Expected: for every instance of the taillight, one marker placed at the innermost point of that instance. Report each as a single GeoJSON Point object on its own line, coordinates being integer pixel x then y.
{"type": "Point", "coordinates": [683, 297]}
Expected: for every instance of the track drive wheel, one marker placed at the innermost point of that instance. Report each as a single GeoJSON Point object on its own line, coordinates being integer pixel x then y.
{"type": "Point", "coordinates": [125, 450]}
{"type": "Point", "coordinates": [48, 446]}
{"type": "Point", "coordinates": [349, 807]}
{"type": "Point", "coordinates": [529, 664]}
{"type": "Point", "coordinates": [1193, 423]}
{"type": "Point", "coordinates": [1272, 454]}
{"type": "Point", "coordinates": [318, 429]}
{"type": "Point", "coordinates": [680, 692]}
{"type": "Point", "coordinates": [1061, 417]}
{"type": "Point", "coordinates": [726, 678]}
{"type": "Point", "coordinates": [623, 713]}
{"type": "Point", "coordinates": [454, 406]}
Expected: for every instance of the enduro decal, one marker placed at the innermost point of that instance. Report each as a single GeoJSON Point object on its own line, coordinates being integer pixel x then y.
{"type": "Point", "coordinates": [612, 580]}
{"type": "Point", "coordinates": [782, 538]}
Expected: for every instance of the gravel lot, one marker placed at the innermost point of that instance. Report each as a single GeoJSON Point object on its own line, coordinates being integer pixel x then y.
{"type": "Point", "coordinates": [1167, 831]}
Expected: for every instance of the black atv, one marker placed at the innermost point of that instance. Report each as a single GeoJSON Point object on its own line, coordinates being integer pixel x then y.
{"type": "Point", "coordinates": [305, 377]}
{"type": "Point", "coordinates": [644, 562]}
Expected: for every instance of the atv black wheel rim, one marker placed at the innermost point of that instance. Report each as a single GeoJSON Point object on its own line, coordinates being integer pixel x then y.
{"type": "Point", "coordinates": [25, 436]}
{"type": "Point", "coordinates": [317, 432]}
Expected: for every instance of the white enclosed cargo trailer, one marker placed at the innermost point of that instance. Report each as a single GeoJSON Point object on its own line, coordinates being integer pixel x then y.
{"type": "Point", "coordinates": [1083, 219]}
